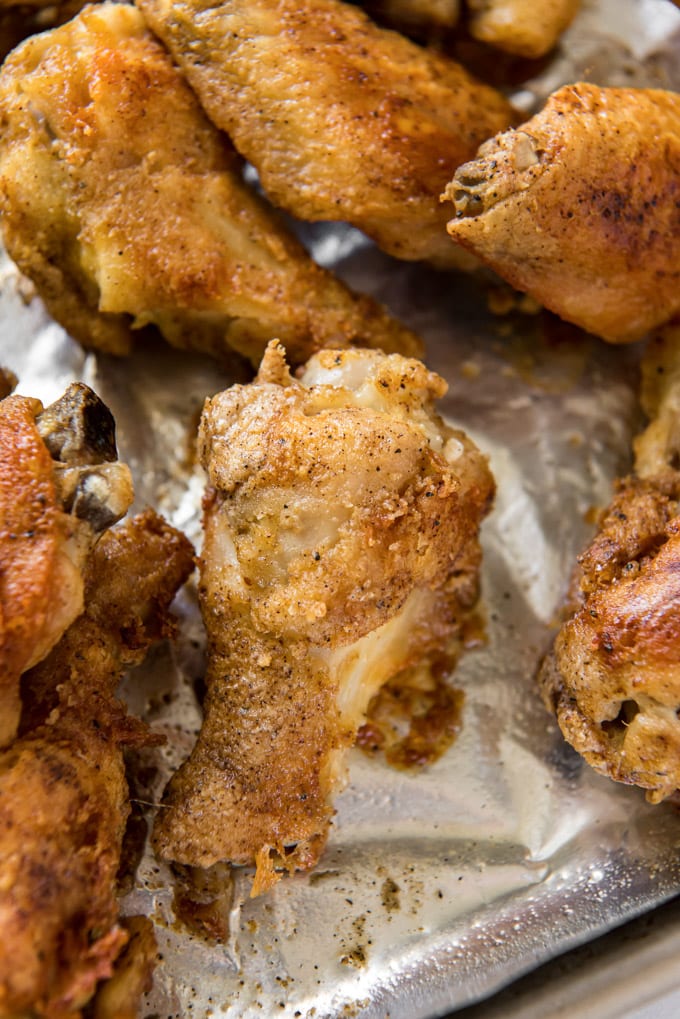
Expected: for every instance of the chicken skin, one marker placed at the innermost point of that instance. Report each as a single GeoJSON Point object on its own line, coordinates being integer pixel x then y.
{"type": "Point", "coordinates": [126, 207]}
{"type": "Point", "coordinates": [343, 120]}
{"type": "Point", "coordinates": [63, 793]}
{"type": "Point", "coordinates": [60, 487]}
{"type": "Point", "coordinates": [341, 545]}
{"type": "Point", "coordinates": [613, 676]}
{"type": "Point", "coordinates": [580, 208]}
{"type": "Point", "coordinates": [529, 28]}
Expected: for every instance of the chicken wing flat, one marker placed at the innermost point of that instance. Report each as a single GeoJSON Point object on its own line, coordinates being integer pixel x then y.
{"type": "Point", "coordinates": [580, 208]}
{"type": "Point", "coordinates": [126, 207]}
{"type": "Point", "coordinates": [343, 120]}
{"type": "Point", "coordinates": [60, 487]}
{"type": "Point", "coordinates": [341, 545]}
{"type": "Point", "coordinates": [613, 677]}
{"type": "Point", "coordinates": [529, 28]}
{"type": "Point", "coordinates": [63, 793]}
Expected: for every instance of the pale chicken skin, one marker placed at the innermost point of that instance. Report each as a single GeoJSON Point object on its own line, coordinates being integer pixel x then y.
{"type": "Point", "coordinates": [60, 487]}
{"type": "Point", "coordinates": [580, 208]}
{"type": "Point", "coordinates": [613, 676]}
{"type": "Point", "coordinates": [342, 119]}
{"type": "Point", "coordinates": [127, 208]}
{"type": "Point", "coordinates": [64, 798]}
{"type": "Point", "coordinates": [341, 545]}
{"type": "Point", "coordinates": [529, 28]}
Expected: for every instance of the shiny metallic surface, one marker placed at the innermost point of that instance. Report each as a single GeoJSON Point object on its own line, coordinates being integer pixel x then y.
{"type": "Point", "coordinates": [437, 887]}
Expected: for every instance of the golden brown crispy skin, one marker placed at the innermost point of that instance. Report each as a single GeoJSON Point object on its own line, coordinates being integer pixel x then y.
{"type": "Point", "coordinates": [580, 207]}
{"type": "Point", "coordinates": [529, 28]}
{"type": "Point", "coordinates": [126, 207]}
{"type": "Point", "coordinates": [55, 499]}
{"type": "Point", "coordinates": [341, 545]}
{"type": "Point", "coordinates": [32, 533]}
{"type": "Point", "coordinates": [613, 676]}
{"type": "Point", "coordinates": [343, 120]}
{"type": "Point", "coordinates": [613, 679]}
{"type": "Point", "coordinates": [63, 794]}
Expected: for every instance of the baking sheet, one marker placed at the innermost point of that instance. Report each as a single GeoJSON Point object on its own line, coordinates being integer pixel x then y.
{"type": "Point", "coordinates": [436, 887]}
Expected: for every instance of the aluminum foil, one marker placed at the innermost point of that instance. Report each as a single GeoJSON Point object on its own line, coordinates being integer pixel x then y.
{"type": "Point", "coordinates": [436, 887]}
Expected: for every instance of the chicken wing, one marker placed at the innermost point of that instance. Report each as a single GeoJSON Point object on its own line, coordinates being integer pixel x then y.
{"type": "Point", "coordinates": [529, 28]}
{"type": "Point", "coordinates": [126, 207]}
{"type": "Point", "coordinates": [580, 208]}
{"type": "Point", "coordinates": [613, 677]}
{"type": "Point", "coordinates": [63, 793]}
{"type": "Point", "coordinates": [341, 545]}
{"type": "Point", "coordinates": [343, 120]}
{"type": "Point", "coordinates": [60, 487]}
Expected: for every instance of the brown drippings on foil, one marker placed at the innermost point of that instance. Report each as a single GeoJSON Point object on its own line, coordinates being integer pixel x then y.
{"type": "Point", "coordinates": [203, 899]}
{"type": "Point", "coordinates": [543, 351]}
{"type": "Point", "coordinates": [415, 717]}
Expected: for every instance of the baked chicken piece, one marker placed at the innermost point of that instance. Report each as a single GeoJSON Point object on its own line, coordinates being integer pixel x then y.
{"type": "Point", "coordinates": [613, 676]}
{"type": "Point", "coordinates": [341, 545]}
{"type": "Point", "coordinates": [343, 120]}
{"type": "Point", "coordinates": [529, 28]}
{"type": "Point", "coordinates": [63, 793]}
{"type": "Point", "coordinates": [126, 207]}
{"type": "Point", "coordinates": [580, 208]}
{"type": "Point", "coordinates": [60, 488]}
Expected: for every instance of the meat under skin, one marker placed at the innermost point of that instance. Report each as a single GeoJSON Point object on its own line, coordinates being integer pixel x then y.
{"type": "Point", "coordinates": [44, 543]}
{"type": "Point", "coordinates": [64, 799]}
{"type": "Point", "coordinates": [341, 545]}
{"type": "Point", "coordinates": [613, 676]}
{"type": "Point", "coordinates": [343, 120]}
{"type": "Point", "coordinates": [126, 207]}
{"type": "Point", "coordinates": [580, 208]}
{"type": "Point", "coordinates": [529, 28]}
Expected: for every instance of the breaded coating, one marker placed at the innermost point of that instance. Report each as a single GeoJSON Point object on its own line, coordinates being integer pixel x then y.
{"type": "Point", "coordinates": [580, 208]}
{"type": "Point", "coordinates": [60, 487]}
{"type": "Point", "coordinates": [343, 120]}
{"type": "Point", "coordinates": [341, 545]}
{"type": "Point", "coordinates": [613, 677]}
{"type": "Point", "coordinates": [126, 207]}
{"type": "Point", "coordinates": [529, 28]}
{"type": "Point", "coordinates": [63, 793]}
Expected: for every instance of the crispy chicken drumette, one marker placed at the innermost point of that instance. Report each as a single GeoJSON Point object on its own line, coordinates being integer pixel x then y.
{"type": "Point", "coordinates": [60, 487]}
{"type": "Point", "coordinates": [343, 120]}
{"type": "Point", "coordinates": [580, 208]}
{"type": "Point", "coordinates": [529, 28]}
{"type": "Point", "coordinates": [341, 545]}
{"type": "Point", "coordinates": [613, 676]}
{"type": "Point", "coordinates": [63, 793]}
{"type": "Point", "coordinates": [126, 207]}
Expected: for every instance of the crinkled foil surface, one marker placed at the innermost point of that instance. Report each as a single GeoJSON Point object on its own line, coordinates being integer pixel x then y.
{"type": "Point", "coordinates": [436, 888]}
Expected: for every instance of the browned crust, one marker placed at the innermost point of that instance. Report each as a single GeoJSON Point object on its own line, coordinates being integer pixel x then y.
{"type": "Point", "coordinates": [126, 207]}
{"type": "Point", "coordinates": [343, 119]}
{"type": "Point", "coordinates": [613, 678]}
{"type": "Point", "coordinates": [31, 530]}
{"type": "Point", "coordinates": [580, 208]}
{"type": "Point", "coordinates": [63, 793]}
